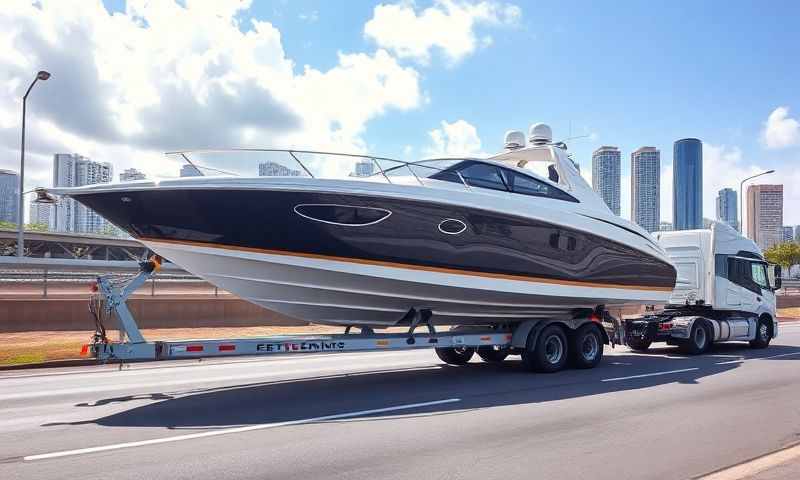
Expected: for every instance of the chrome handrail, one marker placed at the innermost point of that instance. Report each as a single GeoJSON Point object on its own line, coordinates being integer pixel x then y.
{"type": "Point", "coordinates": [293, 154]}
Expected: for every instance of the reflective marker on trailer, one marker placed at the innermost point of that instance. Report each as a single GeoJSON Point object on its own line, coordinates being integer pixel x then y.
{"type": "Point", "coordinates": [227, 348]}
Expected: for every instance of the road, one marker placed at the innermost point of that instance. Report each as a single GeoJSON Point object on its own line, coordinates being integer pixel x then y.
{"type": "Point", "coordinates": [402, 415]}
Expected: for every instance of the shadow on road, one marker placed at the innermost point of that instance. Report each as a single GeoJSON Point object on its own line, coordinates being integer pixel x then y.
{"type": "Point", "coordinates": [478, 385]}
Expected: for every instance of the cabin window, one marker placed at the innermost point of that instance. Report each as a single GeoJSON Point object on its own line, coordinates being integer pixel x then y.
{"type": "Point", "coordinates": [483, 175]}
{"type": "Point", "coordinates": [759, 275]}
{"type": "Point", "coordinates": [525, 185]}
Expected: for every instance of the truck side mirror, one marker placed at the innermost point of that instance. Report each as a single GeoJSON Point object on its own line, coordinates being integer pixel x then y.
{"type": "Point", "coordinates": [775, 276]}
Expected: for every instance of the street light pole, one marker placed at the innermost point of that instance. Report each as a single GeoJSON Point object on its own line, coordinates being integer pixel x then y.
{"type": "Point", "coordinates": [42, 75]}
{"type": "Point", "coordinates": [741, 203]}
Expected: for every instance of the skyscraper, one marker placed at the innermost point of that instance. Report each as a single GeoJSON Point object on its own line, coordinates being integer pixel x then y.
{"type": "Point", "coordinates": [40, 213]}
{"type": "Point", "coordinates": [646, 188]}
{"type": "Point", "coordinates": [606, 175]}
{"type": "Point", "coordinates": [73, 170]}
{"type": "Point", "coordinates": [9, 196]}
{"type": "Point", "coordinates": [788, 233]}
{"type": "Point", "coordinates": [364, 168]}
{"type": "Point", "coordinates": [190, 171]}
{"type": "Point", "coordinates": [130, 175]}
{"type": "Point", "coordinates": [274, 169]}
{"type": "Point", "coordinates": [687, 184]}
{"type": "Point", "coordinates": [727, 210]}
{"type": "Point", "coordinates": [765, 214]}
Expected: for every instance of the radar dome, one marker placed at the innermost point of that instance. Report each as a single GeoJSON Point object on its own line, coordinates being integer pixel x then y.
{"type": "Point", "coordinates": [514, 140]}
{"type": "Point", "coordinates": [540, 134]}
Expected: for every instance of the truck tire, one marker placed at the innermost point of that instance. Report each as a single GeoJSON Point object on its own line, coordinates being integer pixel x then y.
{"type": "Point", "coordinates": [586, 347]}
{"type": "Point", "coordinates": [455, 355]}
{"type": "Point", "coordinates": [639, 345]}
{"type": "Point", "coordinates": [492, 354]}
{"type": "Point", "coordinates": [762, 334]}
{"type": "Point", "coordinates": [699, 339]}
{"type": "Point", "coordinates": [549, 353]}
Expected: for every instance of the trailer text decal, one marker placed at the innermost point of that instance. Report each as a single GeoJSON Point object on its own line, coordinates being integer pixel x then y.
{"type": "Point", "coordinates": [299, 346]}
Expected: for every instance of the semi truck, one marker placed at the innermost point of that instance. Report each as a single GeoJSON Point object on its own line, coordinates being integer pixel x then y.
{"type": "Point", "coordinates": [725, 292]}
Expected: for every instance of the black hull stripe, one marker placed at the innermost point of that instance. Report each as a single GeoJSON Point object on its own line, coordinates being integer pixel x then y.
{"type": "Point", "coordinates": [407, 266]}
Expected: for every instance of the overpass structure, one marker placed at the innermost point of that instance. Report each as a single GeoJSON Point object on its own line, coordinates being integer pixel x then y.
{"type": "Point", "coordinates": [75, 246]}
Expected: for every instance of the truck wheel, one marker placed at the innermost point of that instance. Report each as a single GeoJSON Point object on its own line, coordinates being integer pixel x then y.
{"type": "Point", "coordinates": [455, 355]}
{"type": "Point", "coordinates": [638, 344]}
{"type": "Point", "coordinates": [699, 339]}
{"type": "Point", "coordinates": [762, 334]}
{"type": "Point", "coordinates": [492, 354]}
{"type": "Point", "coordinates": [586, 347]}
{"type": "Point", "coordinates": [549, 353]}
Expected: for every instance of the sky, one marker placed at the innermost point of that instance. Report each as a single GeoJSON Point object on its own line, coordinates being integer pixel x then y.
{"type": "Point", "coordinates": [407, 80]}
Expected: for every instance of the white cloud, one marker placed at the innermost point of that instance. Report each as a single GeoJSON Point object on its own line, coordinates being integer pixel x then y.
{"type": "Point", "coordinates": [310, 17]}
{"type": "Point", "coordinates": [453, 139]}
{"type": "Point", "coordinates": [780, 130]}
{"type": "Point", "coordinates": [448, 25]}
{"type": "Point", "coordinates": [162, 76]}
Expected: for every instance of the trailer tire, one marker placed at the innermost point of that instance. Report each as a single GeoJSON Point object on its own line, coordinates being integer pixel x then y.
{"type": "Point", "coordinates": [699, 339]}
{"type": "Point", "coordinates": [548, 353]}
{"type": "Point", "coordinates": [639, 345]}
{"type": "Point", "coordinates": [586, 347]}
{"type": "Point", "coordinates": [493, 355]}
{"type": "Point", "coordinates": [763, 336]}
{"type": "Point", "coordinates": [455, 355]}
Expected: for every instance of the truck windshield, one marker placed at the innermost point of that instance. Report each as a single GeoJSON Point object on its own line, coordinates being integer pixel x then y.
{"type": "Point", "coordinates": [759, 274]}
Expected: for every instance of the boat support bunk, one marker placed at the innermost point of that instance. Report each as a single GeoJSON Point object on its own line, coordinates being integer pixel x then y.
{"type": "Point", "coordinates": [545, 345]}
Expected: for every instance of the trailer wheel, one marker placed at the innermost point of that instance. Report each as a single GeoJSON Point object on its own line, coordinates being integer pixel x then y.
{"type": "Point", "coordinates": [455, 355]}
{"type": "Point", "coordinates": [762, 334]}
{"type": "Point", "coordinates": [639, 344]}
{"type": "Point", "coordinates": [549, 353]}
{"type": "Point", "coordinates": [493, 354]}
{"type": "Point", "coordinates": [586, 348]}
{"type": "Point", "coordinates": [699, 339]}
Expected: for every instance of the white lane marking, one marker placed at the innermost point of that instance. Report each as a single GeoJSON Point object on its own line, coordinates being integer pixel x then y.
{"type": "Point", "coordinates": [741, 360]}
{"type": "Point", "coordinates": [229, 431]}
{"type": "Point", "coordinates": [753, 467]}
{"type": "Point", "coordinates": [621, 363]}
{"type": "Point", "coordinates": [617, 379]}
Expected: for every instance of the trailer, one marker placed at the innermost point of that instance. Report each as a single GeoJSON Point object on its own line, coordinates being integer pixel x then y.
{"type": "Point", "coordinates": [544, 345]}
{"type": "Point", "coordinates": [725, 293]}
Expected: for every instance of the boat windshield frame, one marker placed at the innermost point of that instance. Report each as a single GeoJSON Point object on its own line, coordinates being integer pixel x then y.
{"type": "Point", "coordinates": [293, 153]}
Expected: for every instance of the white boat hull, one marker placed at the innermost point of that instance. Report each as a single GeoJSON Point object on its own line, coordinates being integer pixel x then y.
{"type": "Point", "coordinates": [336, 292]}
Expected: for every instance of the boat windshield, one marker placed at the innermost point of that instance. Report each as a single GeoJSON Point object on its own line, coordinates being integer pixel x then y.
{"type": "Point", "coordinates": [304, 163]}
{"type": "Point", "coordinates": [460, 173]}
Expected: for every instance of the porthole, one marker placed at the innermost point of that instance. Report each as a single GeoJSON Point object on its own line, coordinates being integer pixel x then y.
{"type": "Point", "coordinates": [345, 215]}
{"type": "Point", "coordinates": [451, 226]}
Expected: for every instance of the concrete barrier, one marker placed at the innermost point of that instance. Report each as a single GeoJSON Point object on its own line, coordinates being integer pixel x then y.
{"type": "Point", "coordinates": [53, 314]}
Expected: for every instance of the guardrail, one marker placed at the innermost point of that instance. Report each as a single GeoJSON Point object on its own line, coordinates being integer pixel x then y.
{"type": "Point", "coordinates": [26, 276]}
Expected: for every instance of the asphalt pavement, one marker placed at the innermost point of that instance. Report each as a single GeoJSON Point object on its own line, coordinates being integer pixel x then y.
{"type": "Point", "coordinates": [403, 415]}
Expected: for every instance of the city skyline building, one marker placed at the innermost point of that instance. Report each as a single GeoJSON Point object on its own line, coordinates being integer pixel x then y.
{"type": "Point", "coordinates": [274, 169]}
{"type": "Point", "coordinates": [364, 168]}
{"type": "Point", "coordinates": [40, 213]}
{"type": "Point", "coordinates": [131, 174]}
{"type": "Point", "coordinates": [687, 184]}
{"type": "Point", "coordinates": [727, 207]}
{"type": "Point", "coordinates": [73, 170]}
{"type": "Point", "coordinates": [765, 214]}
{"type": "Point", "coordinates": [606, 176]}
{"type": "Point", "coordinates": [788, 233]}
{"type": "Point", "coordinates": [9, 196]}
{"type": "Point", "coordinates": [646, 188]}
{"type": "Point", "coordinates": [665, 227]}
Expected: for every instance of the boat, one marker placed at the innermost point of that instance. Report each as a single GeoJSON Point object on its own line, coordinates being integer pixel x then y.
{"type": "Point", "coordinates": [470, 241]}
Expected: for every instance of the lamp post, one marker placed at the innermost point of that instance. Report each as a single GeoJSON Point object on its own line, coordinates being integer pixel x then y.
{"type": "Point", "coordinates": [741, 203]}
{"type": "Point", "coordinates": [42, 75]}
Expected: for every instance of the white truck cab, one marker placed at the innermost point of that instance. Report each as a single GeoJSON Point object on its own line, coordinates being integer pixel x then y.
{"type": "Point", "coordinates": [725, 291]}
